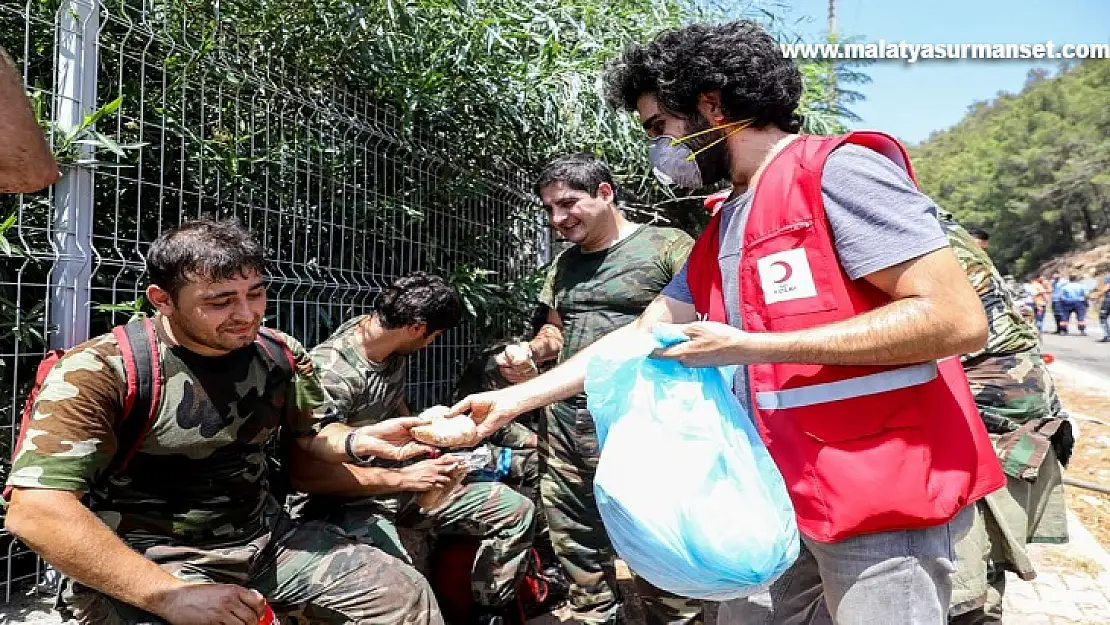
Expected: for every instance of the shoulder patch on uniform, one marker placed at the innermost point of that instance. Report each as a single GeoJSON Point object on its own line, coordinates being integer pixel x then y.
{"type": "Point", "coordinates": [305, 366]}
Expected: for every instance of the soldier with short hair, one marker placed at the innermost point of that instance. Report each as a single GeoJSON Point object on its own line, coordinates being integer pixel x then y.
{"type": "Point", "coordinates": [1016, 397]}
{"type": "Point", "coordinates": [363, 367]}
{"type": "Point", "coordinates": [604, 281]}
{"type": "Point", "coordinates": [187, 530]}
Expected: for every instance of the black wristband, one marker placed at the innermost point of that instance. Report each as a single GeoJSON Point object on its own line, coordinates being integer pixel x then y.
{"type": "Point", "coordinates": [351, 455]}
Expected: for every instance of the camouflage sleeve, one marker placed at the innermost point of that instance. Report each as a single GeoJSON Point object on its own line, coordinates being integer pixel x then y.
{"type": "Point", "coordinates": [69, 440]}
{"type": "Point", "coordinates": [328, 365]}
{"type": "Point", "coordinates": [970, 257]}
{"type": "Point", "coordinates": [547, 293]}
{"type": "Point", "coordinates": [514, 436]}
{"type": "Point", "coordinates": [674, 255]}
{"type": "Point", "coordinates": [308, 407]}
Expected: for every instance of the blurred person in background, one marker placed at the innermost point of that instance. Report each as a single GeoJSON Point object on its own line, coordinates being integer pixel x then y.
{"type": "Point", "coordinates": [1073, 301]}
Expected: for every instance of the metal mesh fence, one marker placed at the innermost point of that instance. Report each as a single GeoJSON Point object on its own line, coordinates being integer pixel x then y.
{"type": "Point", "coordinates": [188, 122]}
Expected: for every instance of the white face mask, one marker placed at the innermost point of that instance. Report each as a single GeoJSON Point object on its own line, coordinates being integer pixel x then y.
{"type": "Point", "coordinates": [673, 162]}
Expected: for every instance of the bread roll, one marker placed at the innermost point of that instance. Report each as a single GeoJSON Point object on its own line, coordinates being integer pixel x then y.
{"type": "Point", "coordinates": [443, 431]}
{"type": "Point", "coordinates": [436, 412]}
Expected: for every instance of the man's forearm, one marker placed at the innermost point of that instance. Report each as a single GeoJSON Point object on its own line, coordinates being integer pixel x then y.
{"type": "Point", "coordinates": [26, 163]}
{"type": "Point", "coordinates": [329, 444]}
{"type": "Point", "coordinates": [346, 480]}
{"type": "Point", "coordinates": [906, 331]}
{"type": "Point", "coordinates": [67, 535]}
{"type": "Point", "coordinates": [389, 439]}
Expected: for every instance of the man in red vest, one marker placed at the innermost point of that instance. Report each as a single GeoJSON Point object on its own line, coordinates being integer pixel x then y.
{"type": "Point", "coordinates": [828, 276]}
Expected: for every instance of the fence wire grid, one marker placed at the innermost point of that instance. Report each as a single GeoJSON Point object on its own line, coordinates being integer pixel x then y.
{"type": "Point", "coordinates": [342, 197]}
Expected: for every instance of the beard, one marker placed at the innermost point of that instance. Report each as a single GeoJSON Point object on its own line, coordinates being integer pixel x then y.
{"type": "Point", "coordinates": [714, 162]}
{"type": "Point", "coordinates": [216, 340]}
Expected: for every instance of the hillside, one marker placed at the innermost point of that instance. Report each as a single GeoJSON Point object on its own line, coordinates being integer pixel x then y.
{"type": "Point", "coordinates": [1032, 168]}
{"type": "Point", "coordinates": [1090, 260]}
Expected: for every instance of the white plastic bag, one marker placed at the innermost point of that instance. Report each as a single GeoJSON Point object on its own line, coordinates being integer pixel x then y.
{"type": "Point", "coordinates": [689, 495]}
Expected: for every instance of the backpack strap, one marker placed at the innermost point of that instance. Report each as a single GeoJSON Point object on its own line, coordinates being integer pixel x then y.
{"type": "Point", "coordinates": [138, 344]}
{"type": "Point", "coordinates": [47, 363]}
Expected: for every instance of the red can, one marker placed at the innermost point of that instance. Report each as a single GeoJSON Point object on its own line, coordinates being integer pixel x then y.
{"type": "Point", "coordinates": [269, 618]}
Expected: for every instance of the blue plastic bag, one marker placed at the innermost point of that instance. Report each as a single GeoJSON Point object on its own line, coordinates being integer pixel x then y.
{"type": "Point", "coordinates": [689, 495]}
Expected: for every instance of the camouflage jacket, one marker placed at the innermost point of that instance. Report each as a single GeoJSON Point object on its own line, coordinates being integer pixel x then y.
{"type": "Point", "coordinates": [362, 393]}
{"type": "Point", "coordinates": [200, 475]}
{"type": "Point", "coordinates": [1013, 389]}
{"type": "Point", "coordinates": [1009, 331]}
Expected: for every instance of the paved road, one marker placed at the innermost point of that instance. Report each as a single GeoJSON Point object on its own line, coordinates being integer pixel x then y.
{"type": "Point", "coordinates": [1081, 351]}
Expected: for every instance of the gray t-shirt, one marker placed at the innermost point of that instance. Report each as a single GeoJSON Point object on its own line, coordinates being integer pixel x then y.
{"type": "Point", "coordinates": [878, 218]}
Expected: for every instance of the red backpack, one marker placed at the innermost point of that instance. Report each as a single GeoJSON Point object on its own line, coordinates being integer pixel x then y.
{"type": "Point", "coordinates": [138, 344]}
{"type": "Point", "coordinates": [449, 575]}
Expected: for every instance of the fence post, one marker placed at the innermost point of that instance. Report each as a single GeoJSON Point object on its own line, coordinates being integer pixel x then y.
{"type": "Point", "coordinates": [75, 97]}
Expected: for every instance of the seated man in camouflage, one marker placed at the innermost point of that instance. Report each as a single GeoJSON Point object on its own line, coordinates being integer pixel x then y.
{"type": "Point", "coordinates": [363, 368]}
{"type": "Point", "coordinates": [185, 530]}
{"type": "Point", "coordinates": [1017, 399]}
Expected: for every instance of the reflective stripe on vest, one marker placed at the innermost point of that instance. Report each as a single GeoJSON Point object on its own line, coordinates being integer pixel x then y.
{"type": "Point", "coordinates": [883, 381]}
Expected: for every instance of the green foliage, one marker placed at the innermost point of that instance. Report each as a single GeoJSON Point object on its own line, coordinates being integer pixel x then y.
{"type": "Point", "coordinates": [5, 247]}
{"type": "Point", "coordinates": [491, 305]}
{"type": "Point", "coordinates": [133, 309]}
{"type": "Point", "coordinates": [510, 83]}
{"type": "Point", "coordinates": [66, 151]}
{"type": "Point", "coordinates": [1029, 167]}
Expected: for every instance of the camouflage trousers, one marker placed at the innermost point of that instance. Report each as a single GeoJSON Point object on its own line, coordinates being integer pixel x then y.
{"type": "Point", "coordinates": [569, 454]}
{"type": "Point", "coordinates": [309, 572]}
{"type": "Point", "coordinates": [524, 478]}
{"type": "Point", "coordinates": [524, 472]}
{"type": "Point", "coordinates": [1019, 405]}
{"type": "Point", "coordinates": [1026, 511]}
{"type": "Point", "coordinates": [1017, 400]}
{"type": "Point", "coordinates": [492, 512]}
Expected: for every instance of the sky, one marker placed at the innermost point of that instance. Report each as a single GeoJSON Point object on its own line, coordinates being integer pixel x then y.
{"type": "Point", "coordinates": [912, 100]}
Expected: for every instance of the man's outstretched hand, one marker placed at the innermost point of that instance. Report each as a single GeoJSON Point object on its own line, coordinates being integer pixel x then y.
{"type": "Point", "coordinates": [392, 439]}
{"type": "Point", "coordinates": [490, 411]}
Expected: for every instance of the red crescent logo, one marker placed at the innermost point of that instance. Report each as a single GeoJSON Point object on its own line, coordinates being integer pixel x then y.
{"type": "Point", "coordinates": [786, 269]}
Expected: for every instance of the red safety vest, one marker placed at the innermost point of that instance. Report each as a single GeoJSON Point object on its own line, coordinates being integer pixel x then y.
{"type": "Point", "coordinates": [862, 448]}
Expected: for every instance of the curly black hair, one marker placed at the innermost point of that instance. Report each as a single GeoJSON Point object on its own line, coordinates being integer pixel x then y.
{"type": "Point", "coordinates": [740, 59]}
{"type": "Point", "coordinates": [419, 298]}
